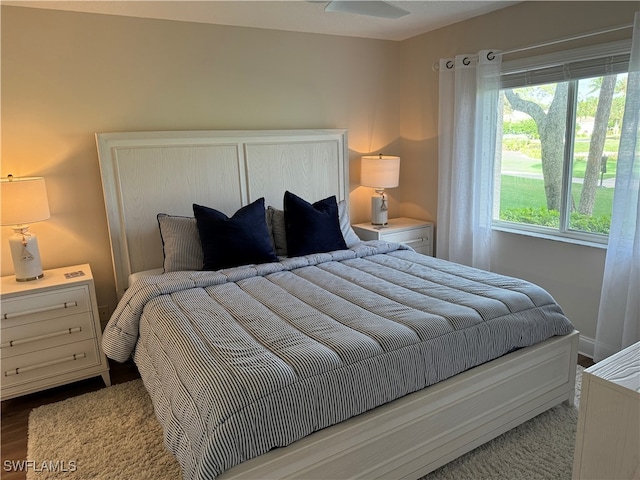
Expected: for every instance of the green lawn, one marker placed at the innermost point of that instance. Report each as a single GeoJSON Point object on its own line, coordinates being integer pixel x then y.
{"type": "Point", "coordinates": [520, 192]}
{"type": "Point", "coordinates": [580, 165]}
{"type": "Point", "coordinates": [523, 199]}
{"type": "Point", "coordinates": [514, 161]}
{"type": "Point", "coordinates": [582, 145]}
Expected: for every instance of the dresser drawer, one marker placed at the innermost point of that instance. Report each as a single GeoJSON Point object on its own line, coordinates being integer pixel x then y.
{"type": "Point", "coordinates": [50, 362]}
{"type": "Point", "coordinates": [409, 236]}
{"type": "Point", "coordinates": [36, 336]}
{"type": "Point", "coordinates": [37, 307]}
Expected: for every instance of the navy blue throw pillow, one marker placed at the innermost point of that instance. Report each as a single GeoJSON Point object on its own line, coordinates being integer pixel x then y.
{"type": "Point", "coordinates": [312, 228]}
{"type": "Point", "coordinates": [240, 240]}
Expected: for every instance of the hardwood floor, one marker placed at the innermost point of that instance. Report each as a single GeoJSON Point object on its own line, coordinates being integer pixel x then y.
{"type": "Point", "coordinates": [585, 362]}
{"type": "Point", "coordinates": [15, 412]}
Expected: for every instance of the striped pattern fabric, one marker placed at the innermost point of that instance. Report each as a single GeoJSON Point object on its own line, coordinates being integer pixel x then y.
{"type": "Point", "coordinates": [180, 243]}
{"type": "Point", "coordinates": [243, 360]}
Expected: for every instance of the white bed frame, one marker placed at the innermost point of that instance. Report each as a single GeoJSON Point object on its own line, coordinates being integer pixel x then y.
{"type": "Point", "coordinates": [145, 173]}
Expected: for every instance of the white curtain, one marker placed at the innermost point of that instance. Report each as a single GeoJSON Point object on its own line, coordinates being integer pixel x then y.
{"type": "Point", "coordinates": [619, 313]}
{"type": "Point", "coordinates": [468, 113]}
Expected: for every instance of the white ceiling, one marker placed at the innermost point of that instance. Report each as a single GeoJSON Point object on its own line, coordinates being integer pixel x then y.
{"type": "Point", "coordinates": [291, 15]}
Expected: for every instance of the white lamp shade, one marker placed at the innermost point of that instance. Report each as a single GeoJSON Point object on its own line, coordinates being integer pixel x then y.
{"type": "Point", "coordinates": [24, 200]}
{"type": "Point", "coordinates": [380, 171]}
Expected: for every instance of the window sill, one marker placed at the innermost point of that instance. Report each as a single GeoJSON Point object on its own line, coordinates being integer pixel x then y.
{"type": "Point", "coordinates": [547, 236]}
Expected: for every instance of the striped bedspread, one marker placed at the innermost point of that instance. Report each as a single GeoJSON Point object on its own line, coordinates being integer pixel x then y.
{"type": "Point", "coordinates": [241, 361]}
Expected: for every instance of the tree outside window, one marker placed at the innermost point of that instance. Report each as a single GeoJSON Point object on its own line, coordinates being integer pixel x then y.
{"type": "Point", "coordinates": [559, 148]}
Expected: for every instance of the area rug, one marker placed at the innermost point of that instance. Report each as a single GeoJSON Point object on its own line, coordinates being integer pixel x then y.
{"type": "Point", "coordinates": [113, 434]}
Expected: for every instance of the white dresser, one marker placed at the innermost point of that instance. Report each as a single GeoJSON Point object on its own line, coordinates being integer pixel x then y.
{"type": "Point", "coordinates": [608, 434]}
{"type": "Point", "coordinates": [418, 234]}
{"type": "Point", "coordinates": [50, 331]}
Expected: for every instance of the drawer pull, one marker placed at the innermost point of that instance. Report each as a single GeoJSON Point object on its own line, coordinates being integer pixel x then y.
{"type": "Point", "coordinates": [48, 308]}
{"type": "Point", "coordinates": [415, 240]}
{"type": "Point", "coordinates": [15, 343]}
{"type": "Point", "coordinates": [19, 370]}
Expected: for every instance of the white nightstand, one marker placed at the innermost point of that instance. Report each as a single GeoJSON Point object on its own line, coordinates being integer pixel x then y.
{"type": "Point", "coordinates": [608, 433]}
{"type": "Point", "coordinates": [50, 331]}
{"type": "Point", "coordinates": [418, 234]}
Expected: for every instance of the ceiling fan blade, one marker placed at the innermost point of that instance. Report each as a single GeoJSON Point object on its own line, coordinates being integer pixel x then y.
{"type": "Point", "coordinates": [370, 8]}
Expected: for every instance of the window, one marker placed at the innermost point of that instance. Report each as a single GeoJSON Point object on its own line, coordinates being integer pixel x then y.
{"type": "Point", "coordinates": [558, 136]}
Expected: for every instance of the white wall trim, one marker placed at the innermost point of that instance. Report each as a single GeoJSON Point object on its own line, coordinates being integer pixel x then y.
{"type": "Point", "coordinates": [586, 346]}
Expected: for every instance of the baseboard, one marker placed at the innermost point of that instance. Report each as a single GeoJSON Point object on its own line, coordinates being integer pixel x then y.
{"type": "Point", "coordinates": [586, 346]}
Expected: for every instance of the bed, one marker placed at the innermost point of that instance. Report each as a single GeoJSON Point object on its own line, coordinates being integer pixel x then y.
{"type": "Point", "coordinates": [367, 360]}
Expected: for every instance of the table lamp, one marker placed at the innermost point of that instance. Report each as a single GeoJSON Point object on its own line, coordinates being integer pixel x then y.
{"type": "Point", "coordinates": [24, 201]}
{"type": "Point", "coordinates": [379, 172]}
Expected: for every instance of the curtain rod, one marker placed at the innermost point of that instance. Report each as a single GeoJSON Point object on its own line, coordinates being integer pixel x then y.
{"type": "Point", "coordinates": [569, 39]}
{"type": "Point", "coordinates": [436, 66]}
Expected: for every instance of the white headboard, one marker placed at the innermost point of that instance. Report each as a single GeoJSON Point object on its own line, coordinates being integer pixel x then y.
{"type": "Point", "coordinates": [146, 173]}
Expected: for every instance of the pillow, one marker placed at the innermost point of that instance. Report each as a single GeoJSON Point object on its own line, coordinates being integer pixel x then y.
{"type": "Point", "coordinates": [240, 240]}
{"type": "Point", "coordinates": [311, 228]}
{"type": "Point", "coordinates": [275, 219]}
{"type": "Point", "coordinates": [180, 243]}
{"type": "Point", "coordinates": [350, 237]}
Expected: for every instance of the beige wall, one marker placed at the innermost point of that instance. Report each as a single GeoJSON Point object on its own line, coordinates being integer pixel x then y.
{"type": "Point", "coordinates": [572, 274]}
{"type": "Point", "coordinates": [68, 75]}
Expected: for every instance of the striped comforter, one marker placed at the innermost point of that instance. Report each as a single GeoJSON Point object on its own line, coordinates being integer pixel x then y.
{"type": "Point", "coordinates": [240, 361]}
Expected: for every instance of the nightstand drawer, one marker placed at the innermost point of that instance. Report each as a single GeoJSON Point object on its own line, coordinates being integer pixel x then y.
{"type": "Point", "coordinates": [49, 331]}
{"type": "Point", "coordinates": [408, 236]}
{"type": "Point", "coordinates": [42, 335]}
{"type": "Point", "coordinates": [43, 306]}
{"type": "Point", "coordinates": [415, 233]}
{"type": "Point", "coordinates": [420, 246]}
{"type": "Point", "coordinates": [50, 362]}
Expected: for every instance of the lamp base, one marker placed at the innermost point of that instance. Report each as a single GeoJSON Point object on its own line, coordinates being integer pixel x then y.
{"type": "Point", "coordinates": [25, 255]}
{"type": "Point", "coordinates": [379, 215]}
